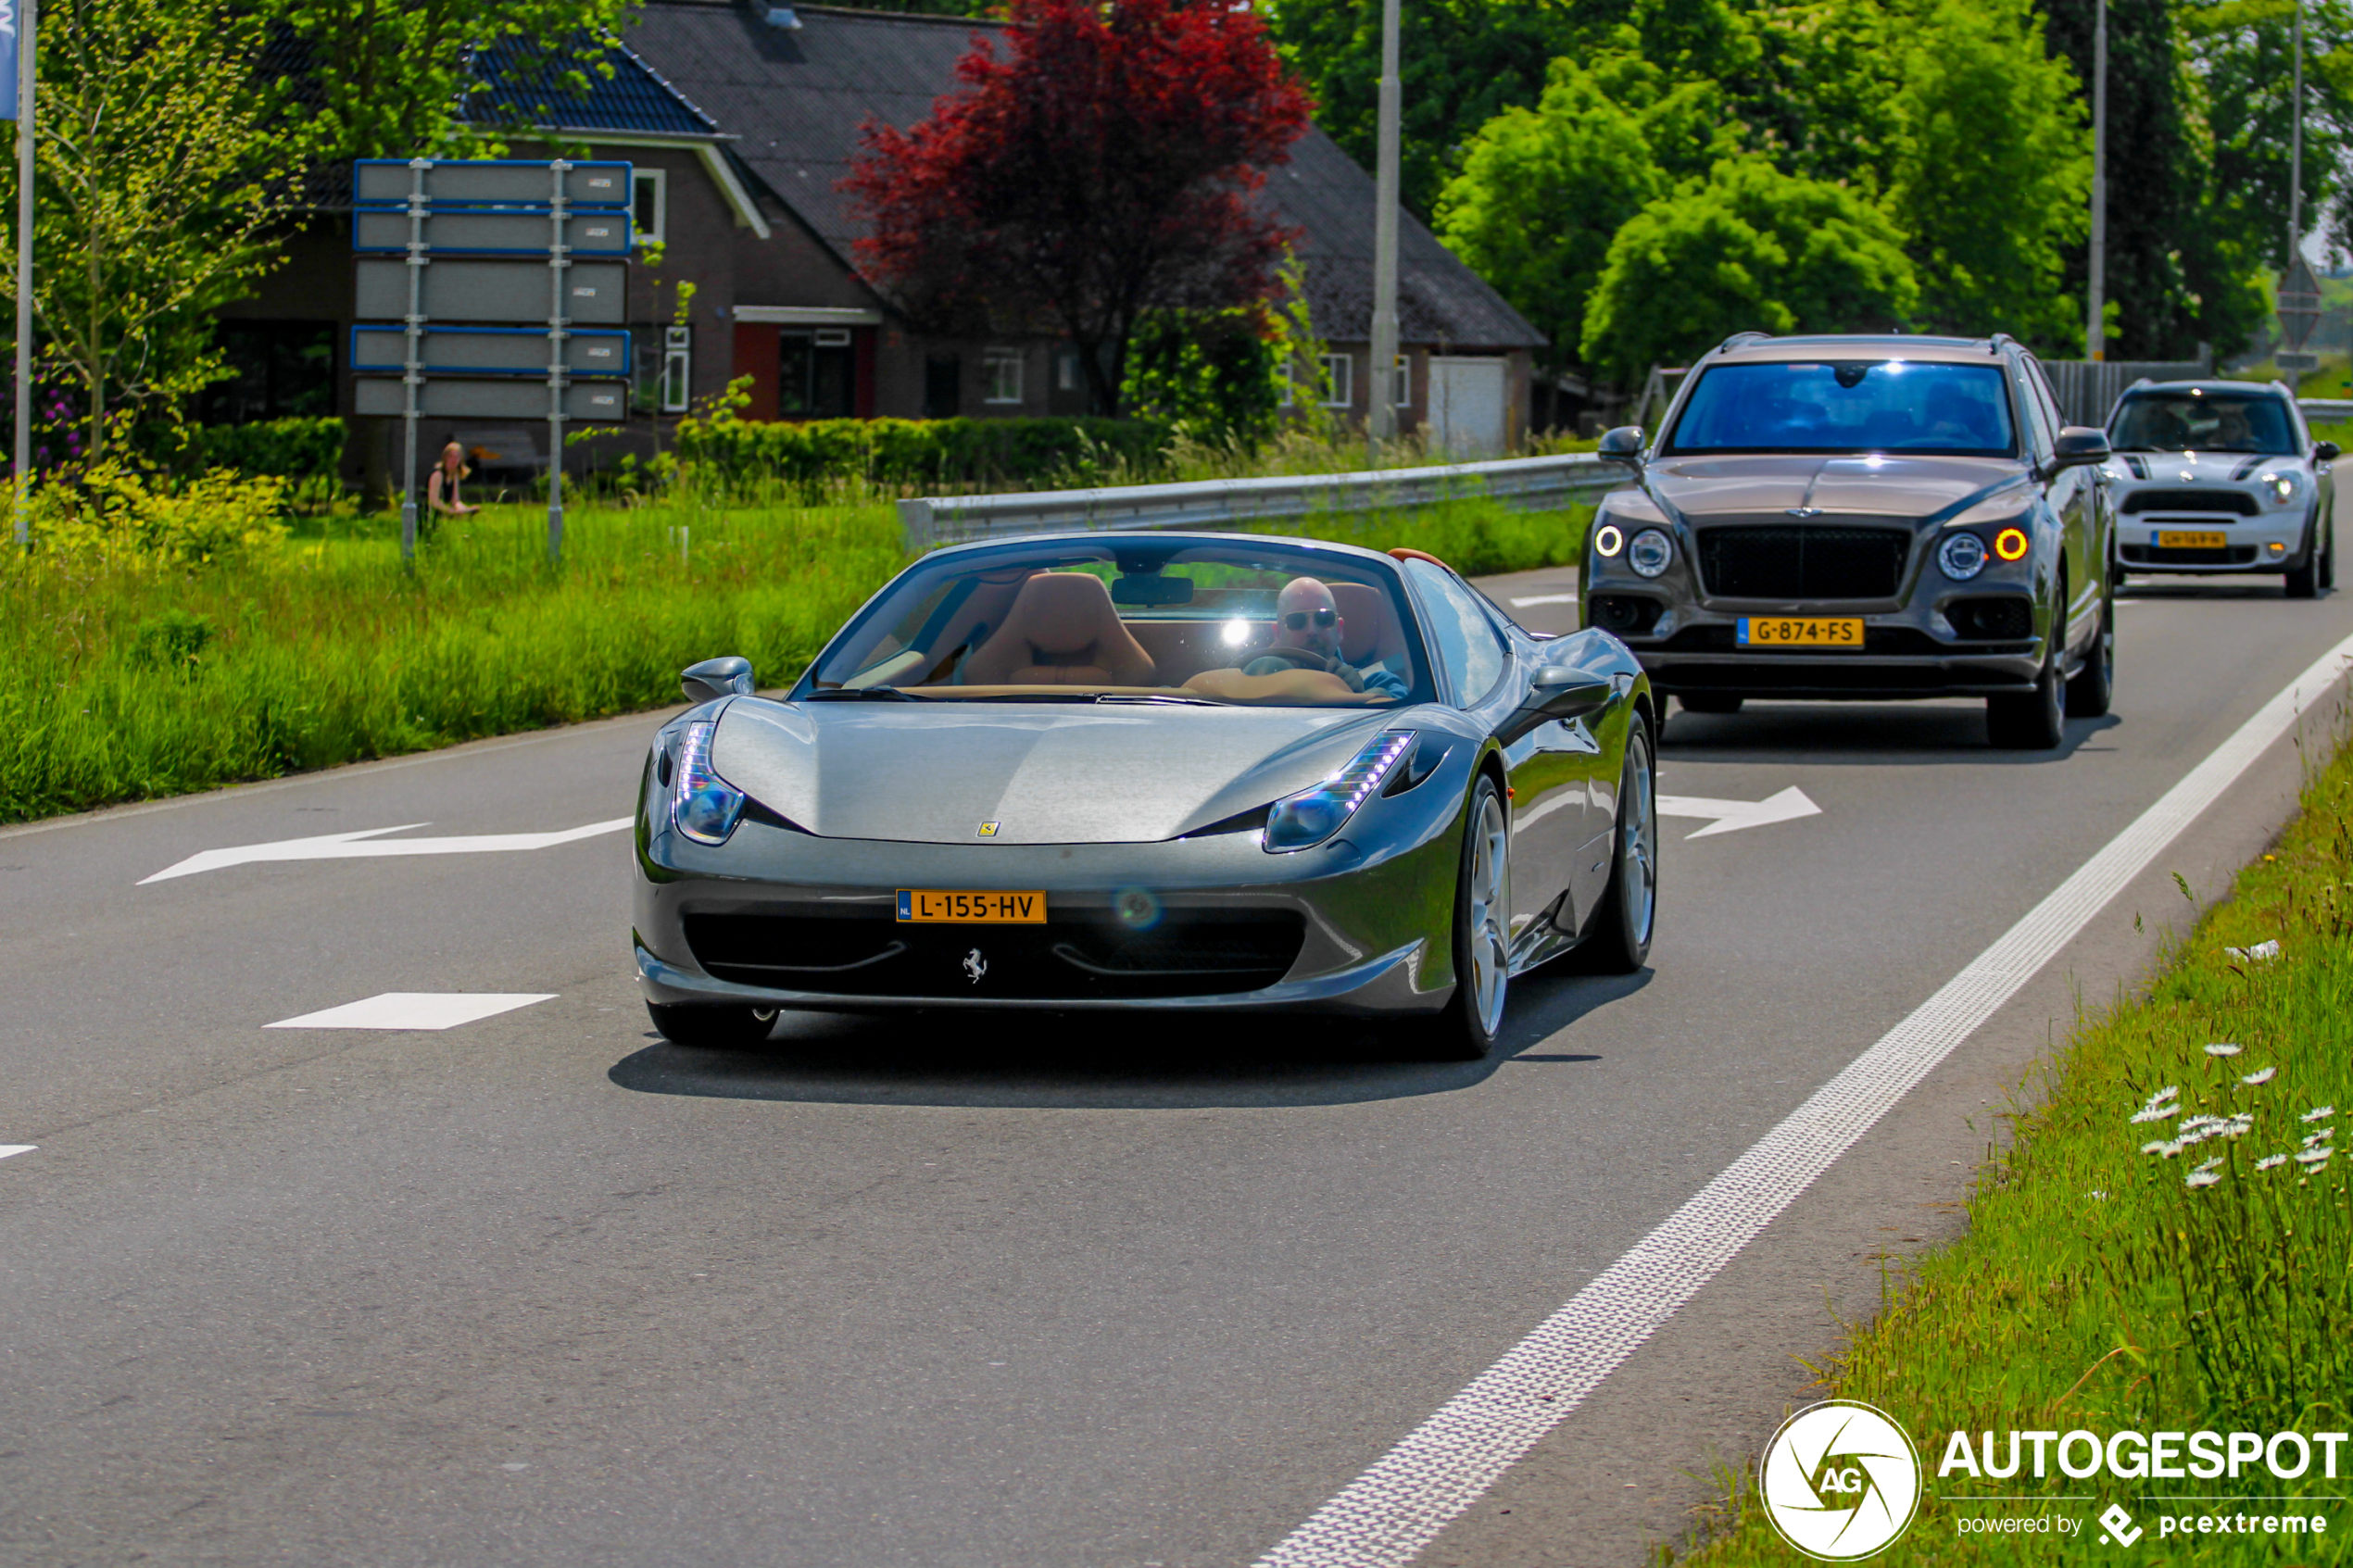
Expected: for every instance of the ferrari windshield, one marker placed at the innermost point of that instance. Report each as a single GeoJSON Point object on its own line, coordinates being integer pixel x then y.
{"type": "Point", "coordinates": [2203, 421]}
{"type": "Point", "coordinates": [1124, 620]}
{"type": "Point", "coordinates": [1846, 406]}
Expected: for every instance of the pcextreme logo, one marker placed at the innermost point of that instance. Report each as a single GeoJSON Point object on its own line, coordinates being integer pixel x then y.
{"type": "Point", "coordinates": [1841, 1480]}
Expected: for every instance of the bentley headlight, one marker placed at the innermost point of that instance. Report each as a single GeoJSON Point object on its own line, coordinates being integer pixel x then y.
{"type": "Point", "coordinates": [705, 806]}
{"type": "Point", "coordinates": [1650, 552]}
{"type": "Point", "coordinates": [1608, 539]}
{"type": "Point", "coordinates": [1962, 555]}
{"type": "Point", "coordinates": [2283, 486]}
{"type": "Point", "coordinates": [1305, 820]}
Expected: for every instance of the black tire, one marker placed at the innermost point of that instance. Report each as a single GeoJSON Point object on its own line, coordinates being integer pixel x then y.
{"type": "Point", "coordinates": [2318, 570]}
{"type": "Point", "coordinates": [1708, 702]}
{"type": "Point", "coordinates": [1466, 1031]}
{"type": "Point", "coordinates": [1619, 940]}
{"type": "Point", "coordinates": [2033, 720]}
{"type": "Point", "coordinates": [2093, 691]}
{"type": "Point", "coordinates": [721, 1028]}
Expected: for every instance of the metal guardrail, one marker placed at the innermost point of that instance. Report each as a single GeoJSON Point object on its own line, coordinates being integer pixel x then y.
{"type": "Point", "coordinates": [1527, 484]}
{"type": "Point", "coordinates": [2331, 408]}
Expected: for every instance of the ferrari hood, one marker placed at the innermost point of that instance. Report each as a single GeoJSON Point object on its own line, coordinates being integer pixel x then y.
{"type": "Point", "coordinates": [1880, 486]}
{"type": "Point", "coordinates": [935, 773]}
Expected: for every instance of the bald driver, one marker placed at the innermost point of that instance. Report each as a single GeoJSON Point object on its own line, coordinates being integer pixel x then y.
{"type": "Point", "coordinates": [1309, 634]}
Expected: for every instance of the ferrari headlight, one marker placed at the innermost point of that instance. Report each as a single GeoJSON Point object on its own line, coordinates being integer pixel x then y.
{"type": "Point", "coordinates": [1305, 820]}
{"type": "Point", "coordinates": [705, 806]}
{"type": "Point", "coordinates": [1650, 552]}
{"type": "Point", "coordinates": [1962, 555]}
{"type": "Point", "coordinates": [2283, 486]}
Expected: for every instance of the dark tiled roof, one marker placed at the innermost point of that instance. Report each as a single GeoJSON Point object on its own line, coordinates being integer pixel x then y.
{"type": "Point", "coordinates": [796, 98]}
{"type": "Point", "coordinates": [523, 89]}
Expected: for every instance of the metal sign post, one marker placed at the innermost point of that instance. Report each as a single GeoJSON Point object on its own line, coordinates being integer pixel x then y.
{"type": "Point", "coordinates": [412, 365]}
{"type": "Point", "coordinates": [24, 117]}
{"type": "Point", "coordinates": [559, 265]}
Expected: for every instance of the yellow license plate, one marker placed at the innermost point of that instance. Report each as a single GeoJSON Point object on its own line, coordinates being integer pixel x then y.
{"type": "Point", "coordinates": [932, 906]}
{"type": "Point", "coordinates": [2193, 541]}
{"type": "Point", "coordinates": [1799, 632]}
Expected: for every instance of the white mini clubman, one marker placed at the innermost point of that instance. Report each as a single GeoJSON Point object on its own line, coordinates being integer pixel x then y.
{"type": "Point", "coordinates": [2222, 477]}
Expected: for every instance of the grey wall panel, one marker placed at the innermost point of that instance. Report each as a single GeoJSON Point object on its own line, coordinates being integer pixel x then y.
{"type": "Point", "coordinates": [518, 351]}
{"type": "Point", "coordinates": [595, 292]}
{"type": "Point", "coordinates": [493, 182]}
{"type": "Point", "coordinates": [602, 233]}
{"type": "Point", "coordinates": [584, 401]}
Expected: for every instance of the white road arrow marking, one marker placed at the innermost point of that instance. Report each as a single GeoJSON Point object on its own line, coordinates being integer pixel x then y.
{"type": "Point", "coordinates": [1731, 816]}
{"type": "Point", "coordinates": [369, 844]}
{"type": "Point", "coordinates": [8, 1148]}
{"type": "Point", "coordinates": [416, 1010]}
{"type": "Point", "coordinates": [1544, 599]}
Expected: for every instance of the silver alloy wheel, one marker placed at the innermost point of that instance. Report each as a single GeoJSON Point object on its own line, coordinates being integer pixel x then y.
{"type": "Point", "coordinates": [1638, 857]}
{"type": "Point", "coordinates": [1491, 946]}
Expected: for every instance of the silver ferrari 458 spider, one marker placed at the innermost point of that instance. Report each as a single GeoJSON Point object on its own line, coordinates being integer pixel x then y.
{"type": "Point", "coordinates": [1151, 770]}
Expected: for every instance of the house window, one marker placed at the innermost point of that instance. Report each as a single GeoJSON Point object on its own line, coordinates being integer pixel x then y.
{"type": "Point", "coordinates": [1287, 384]}
{"type": "Point", "coordinates": [1003, 377]}
{"type": "Point", "coordinates": [1067, 371]}
{"type": "Point", "coordinates": [650, 192]}
{"type": "Point", "coordinates": [1401, 383]}
{"type": "Point", "coordinates": [1339, 369]}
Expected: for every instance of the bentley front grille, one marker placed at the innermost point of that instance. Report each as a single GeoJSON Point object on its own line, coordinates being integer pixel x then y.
{"type": "Point", "coordinates": [1804, 562]}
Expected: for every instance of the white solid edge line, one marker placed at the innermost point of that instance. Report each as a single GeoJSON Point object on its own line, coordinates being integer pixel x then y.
{"type": "Point", "coordinates": [1387, 1515]}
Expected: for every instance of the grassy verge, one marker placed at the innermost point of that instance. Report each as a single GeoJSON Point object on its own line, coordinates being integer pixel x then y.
{"type": "Point", "coordinates": [2098, 1289]}
{"type": "Point", "coordinates": [122, 682]}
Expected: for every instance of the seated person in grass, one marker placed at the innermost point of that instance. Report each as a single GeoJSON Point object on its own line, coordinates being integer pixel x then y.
{"type": "Point", "coordinates": [441, 489]}
{"type": "Point", "coordinates": [1308, 635]}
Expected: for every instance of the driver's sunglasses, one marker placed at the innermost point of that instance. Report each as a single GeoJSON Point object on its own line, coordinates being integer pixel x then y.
{"type": "Point", "coordinates": [1297, 620]}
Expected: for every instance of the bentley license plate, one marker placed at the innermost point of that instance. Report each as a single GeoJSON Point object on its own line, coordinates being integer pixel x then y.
{"type": "Point", "coordinates": [1799, 632]}
{"type": "Point", "coordinates": [933, 905]}
{"type": "Point", "coordinates": [2167, 541]}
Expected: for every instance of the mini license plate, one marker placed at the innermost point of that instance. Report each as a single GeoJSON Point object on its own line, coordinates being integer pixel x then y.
{"type": "Point", "coordinates": [1799, 632]}
{"type": "Point", "coordinates": [932, 906]}
{"type": "Point", "coordinates": [2170, 540]}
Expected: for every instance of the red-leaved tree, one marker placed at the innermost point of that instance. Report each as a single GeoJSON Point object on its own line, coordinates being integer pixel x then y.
{"type": "Point", "coordinates": [1103, 168]}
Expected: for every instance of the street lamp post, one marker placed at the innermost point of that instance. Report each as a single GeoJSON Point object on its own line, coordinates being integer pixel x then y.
{"type": "Point", "coordinates": [2096, 281]}
{"type": "Point", "coordinates": [1380, 423]}
{"type": "Point", "coordinates": [23, 488]}
{"type": "Point", "coordinates": [2296, 174]}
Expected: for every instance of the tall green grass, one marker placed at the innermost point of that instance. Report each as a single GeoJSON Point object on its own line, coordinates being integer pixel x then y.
{"type": "Point", "coordinates": [123, 682]}
{"type": "Point", "coordinates": [2098, 1288]}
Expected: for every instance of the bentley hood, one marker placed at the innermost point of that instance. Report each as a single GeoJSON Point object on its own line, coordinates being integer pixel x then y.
{"type": "Point", "coordinates": [1894, 485]}
{"type": "Point", "coordinates": [934, 772]}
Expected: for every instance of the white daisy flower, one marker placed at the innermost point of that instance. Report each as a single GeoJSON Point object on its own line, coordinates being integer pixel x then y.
{"type": "Point", "coordinates": [2264, 1076]}
{"type": "Point", "coordinates": [2261, 952]}
{"type": "Point", "coordinates": [2323, 1136]}
{"type": "Point", "coordinates": [2209, 1164]}
{"type": "Point", "coordinates": [2237, 1126]}
{"type": "Point", "coordinates": [2222, 1048]}
{"type": "Point", "coordinates": [2314, 1159]}
{"type": "Point", "coordinates": [2161, 1148]}
{"type": "Point", "coordinates": [2154, 1112]}
{"type": "Point", "coordinates": [2269, 1161]}
{"type": "Point", "coordinates": [2095, 1193]}
{"type": "Point", "coordinates": [2200, 1179]}
{"type": "Point", "coordinates": [2318, 1113]}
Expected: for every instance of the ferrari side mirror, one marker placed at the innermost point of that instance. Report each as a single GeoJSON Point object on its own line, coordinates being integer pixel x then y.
{"type": "Point", "coordinates": [1623, 444]}
{"type": "Point", "coordinates": [2326, 451]}
{"type": "Point", "coordinates": [1566, 692]}
{"type": "Point", "coordinates": [715, 678]}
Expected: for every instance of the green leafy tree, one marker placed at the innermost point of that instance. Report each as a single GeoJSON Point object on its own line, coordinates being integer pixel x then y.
{"type": "Point", "coordinates": [1749, 247]}
{"type": "Point", "coordinates": [1541, 194]}
{"type": "Point", "coordinates": [1991, 172]}
{"type": "Point", "coordinates": [1216, 372]}
{"type": "Point", "coordinates": [158, 183]}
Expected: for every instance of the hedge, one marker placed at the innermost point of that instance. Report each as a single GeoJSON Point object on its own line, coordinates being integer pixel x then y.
{"type": "Point", "coordinates": [946, 453]}
{"type": "Point", "coordinates": [290, 450]}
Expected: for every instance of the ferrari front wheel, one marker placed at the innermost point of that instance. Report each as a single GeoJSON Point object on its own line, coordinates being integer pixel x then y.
{"type": "Point", "coordinates": [1466, 1030]}
{"type": "Point", "coordinates": [723, 1027]}
{"type": "Point", "coordinates": [1629, 914]}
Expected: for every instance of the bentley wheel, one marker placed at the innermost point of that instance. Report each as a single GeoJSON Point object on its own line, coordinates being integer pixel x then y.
{"type": "Point", "coordinates": [1709, 702]}
{"type": "Point", "coordinates": [1622, 926]}
{"type": "Point", "coordinates": [2091, 692]}
{"type": "Point", "coordinates": [1466, 1030]}
{"type": "Point", "coordinates": [2031, 720]}
{"type": "Point", "coordinates": [720, 1028]}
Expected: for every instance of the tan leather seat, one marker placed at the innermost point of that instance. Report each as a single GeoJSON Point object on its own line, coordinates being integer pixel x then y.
{"type": "Point", "coordinates": [1061, 631]}
{"type": "Point", "coordinates": [1369, 631]}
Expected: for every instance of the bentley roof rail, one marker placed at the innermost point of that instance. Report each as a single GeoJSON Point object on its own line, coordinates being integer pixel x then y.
{"type": "Point", "coordinates": [1742, 340]}
{"type": "Point", "coordinates": [1994, 344]}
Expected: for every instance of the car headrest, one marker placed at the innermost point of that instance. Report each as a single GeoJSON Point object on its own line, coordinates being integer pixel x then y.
{"type": "Point", "coordinates": [1061, 619]}
{"type": "Point", "coordinates": [1369, 629]}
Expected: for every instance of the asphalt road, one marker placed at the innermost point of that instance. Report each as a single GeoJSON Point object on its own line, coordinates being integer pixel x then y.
{"type": "Point", "coordinates": [541, 1290]}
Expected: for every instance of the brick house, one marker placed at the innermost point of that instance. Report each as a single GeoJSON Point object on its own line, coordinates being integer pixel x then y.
{"type": "Point", "coordinates": [741, 119]}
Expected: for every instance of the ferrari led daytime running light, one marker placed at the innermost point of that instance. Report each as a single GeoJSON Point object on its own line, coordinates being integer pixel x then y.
{"type": "Point", "coordinates": [705, 806]}
{"type": "Point", "coordinates": [1305, 820]}
{"type": "Point", "coordinates": [2010, 544]}
{"type": "Point", "coordinates": [1608, 539]}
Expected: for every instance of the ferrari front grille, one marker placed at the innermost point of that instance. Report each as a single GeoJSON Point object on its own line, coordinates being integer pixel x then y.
{"type": "Point", "coordinates": [1802, 562]}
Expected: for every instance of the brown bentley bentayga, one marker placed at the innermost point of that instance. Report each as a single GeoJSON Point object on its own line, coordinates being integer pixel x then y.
{"type": "Point", "coordinates": [1864, 517]}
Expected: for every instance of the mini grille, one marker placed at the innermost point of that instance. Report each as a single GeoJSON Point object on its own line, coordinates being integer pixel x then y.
{"type": "Point", "coordinates": [2237, 501]}
{"type": "Point", "coordinates": [1803, 563]}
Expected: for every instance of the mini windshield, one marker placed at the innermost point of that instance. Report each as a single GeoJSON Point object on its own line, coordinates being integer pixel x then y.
{"type": "Point", "coordinates": [1846, 406]}
{"type": "Point", "coordinates": [1171, 620]}
{"type": "Point", "coordinates": [2203, 421]}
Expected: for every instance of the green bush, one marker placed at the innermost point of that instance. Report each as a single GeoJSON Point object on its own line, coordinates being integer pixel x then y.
{"type": "Point", "coordinates": [289, 449]}
{"type": "Point", "coordinates": [919, 454]}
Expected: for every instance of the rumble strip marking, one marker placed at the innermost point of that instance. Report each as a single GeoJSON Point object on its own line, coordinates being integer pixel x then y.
{"type": "Point", "coordinates": [1388, 1514]}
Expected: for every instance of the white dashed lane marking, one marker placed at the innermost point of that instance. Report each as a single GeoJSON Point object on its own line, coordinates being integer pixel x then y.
{"type": "Point", "coordinates": [416, 1010]}
{"type": "Point", "coordinates": [1387, 1515]}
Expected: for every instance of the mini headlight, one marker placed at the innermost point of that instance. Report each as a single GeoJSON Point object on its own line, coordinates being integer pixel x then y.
{"type": "Point", "coordinates": [2283, 486]}
{"type": "Point", "coordinates": [2010, 544]}
{"type": "Point", "coordinates": [1608, 539]}
{"type": "Point", "coordinates": [1962, 555]}
{"type": "Point", "coordinates": [1305, 820]}
{"type": "Point", "coordinates": [1650, 552]}
{"type": "Point", "coordinates": [705, 806]}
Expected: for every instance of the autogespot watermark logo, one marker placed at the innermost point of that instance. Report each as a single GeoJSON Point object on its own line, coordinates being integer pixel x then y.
{"type": "Point", "coordinates": [1840, 1480]}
